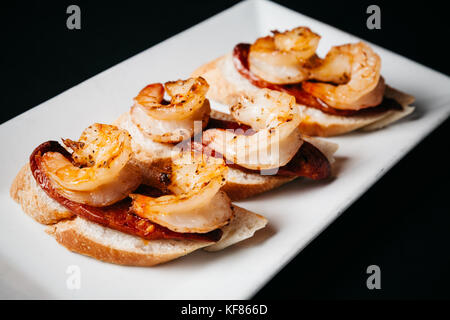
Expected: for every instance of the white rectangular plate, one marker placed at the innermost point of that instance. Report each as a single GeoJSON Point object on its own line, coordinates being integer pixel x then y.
{"type": "Point", "coordinates": [33, 265]}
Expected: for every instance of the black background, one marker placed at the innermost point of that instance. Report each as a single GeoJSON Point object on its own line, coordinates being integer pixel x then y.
{"type": "Point", "coordinates": [401, 224]}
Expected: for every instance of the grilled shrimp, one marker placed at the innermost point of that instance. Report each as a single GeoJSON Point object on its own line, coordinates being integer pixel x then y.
{"type": "Point", "coordinates": [275, 117]}
{"type": "Point", "coordinates": [355, 68]}
{"type": "Point", "coordinates": [284, 57]}
{"type": "Point", "coordinates": [100, 172]}
{"type": "Point", "coordinates": [171, 121]}
{"type": "Point", "coordinates": [197, 204]}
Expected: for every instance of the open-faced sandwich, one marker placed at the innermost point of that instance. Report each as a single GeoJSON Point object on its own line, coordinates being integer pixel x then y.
{"type": "Point", "coordinates": [260, 140]}
{"type": "Point", "coordinates": [93, 194]}
{"type": "Point", "coordinates": [342, 92]}
{"type": "Point", "coordinates": [262, 145]}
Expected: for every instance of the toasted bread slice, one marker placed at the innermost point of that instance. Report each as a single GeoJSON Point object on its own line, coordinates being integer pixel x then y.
{"type": "Point", "coordinates": [226, 84]}
{"type": "Point", "coordinates": [105, 244]}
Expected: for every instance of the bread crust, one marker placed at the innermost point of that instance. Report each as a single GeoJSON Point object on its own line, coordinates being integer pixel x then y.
{"type": "Point", "coordinates": [241, 185]}
{"type": "Point", "coordinates": [107, 245]}
{"type": "Point", "coordinates": [226, 84]}
{"type": "Point", "coordinates": [34, 201]}
{"type": "Point", "coordinates": [71, 235]}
